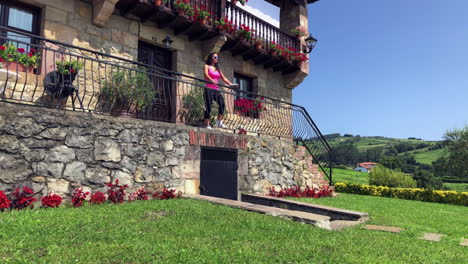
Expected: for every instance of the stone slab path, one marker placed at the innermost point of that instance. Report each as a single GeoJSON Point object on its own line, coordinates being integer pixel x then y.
{"type": "Point", "coordinates": [464, 242]}
{"type": "Point", "coordinates": [432, 237]}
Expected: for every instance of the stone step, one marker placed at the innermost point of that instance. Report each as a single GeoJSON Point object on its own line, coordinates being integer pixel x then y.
{"type": "Point", "coordinates": [332, 212]}
{"type": "Point", "coordinates": [309, 218]}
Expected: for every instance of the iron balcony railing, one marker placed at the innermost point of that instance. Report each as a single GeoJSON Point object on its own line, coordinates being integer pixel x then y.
{"type": "Point", "coordinates": [263, 31]}
{"type": "Point", "coordinates": [52, 74]}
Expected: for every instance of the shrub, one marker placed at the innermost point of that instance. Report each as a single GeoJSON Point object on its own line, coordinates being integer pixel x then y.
{"type": "Point", "coordinates": [51, 200]}
{"type": "Point", "coordinates": [97, 198]}
{"type": "Point", "coordinates": [4, 202]}
{"type": "Point", "coordinates": [78, 197]}
{"type": "Point", "coordinates": [139, 195]}
{"type": "Point", "coordinates": [451, 197]}
{"type": "Point", "coordinates": [382, 176]}
{"type": "Point", "coordinates": [116, 192]}
{"type": "Point", "coordinates": [22, 199]}
{"type": "Point", "coordinates": [166, 194]}
{"type": "Point", "coordinates": [296, 192]}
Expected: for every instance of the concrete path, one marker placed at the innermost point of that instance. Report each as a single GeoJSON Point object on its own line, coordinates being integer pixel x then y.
{"type": "Point", "coordinates": [318, 220]}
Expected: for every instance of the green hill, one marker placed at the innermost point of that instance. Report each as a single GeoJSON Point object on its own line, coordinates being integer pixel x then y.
{"type": "Point", "coordinates": [354, 149]}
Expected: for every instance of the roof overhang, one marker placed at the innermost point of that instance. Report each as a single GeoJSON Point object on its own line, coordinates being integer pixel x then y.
{"type": "Point", "coordinates": [278, 2]}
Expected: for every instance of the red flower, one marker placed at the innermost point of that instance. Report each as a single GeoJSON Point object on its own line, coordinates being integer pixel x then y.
{"type": "Point", "coordinates": [21, 50]}
{"type": "Point", "coordinates": [30, 54]}
{"type": "Point", "coordinates": [33, 50]}
{"type": "Point", "coordinates": [1, 59]}
{"type": "Point", "coordinates": [2, 47]}
{"type": "Point", "coordinates": [72, 70]}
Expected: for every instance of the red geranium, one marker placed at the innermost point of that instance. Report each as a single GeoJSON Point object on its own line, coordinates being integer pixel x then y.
{"type": "Point", "coordinates": [21, 50]}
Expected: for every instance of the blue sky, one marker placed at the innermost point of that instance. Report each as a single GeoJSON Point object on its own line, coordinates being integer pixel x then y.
{"type": "Point", "coordinates": [386, 68]}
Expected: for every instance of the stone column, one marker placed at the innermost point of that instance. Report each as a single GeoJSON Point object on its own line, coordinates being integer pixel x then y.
{"type": "Point", "coordinates": [293, 13]}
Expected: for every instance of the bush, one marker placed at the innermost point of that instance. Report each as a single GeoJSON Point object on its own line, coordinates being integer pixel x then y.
{"type": "Point", "coordinates": [4, 202]}
{"type": "Point", "coordinates": [139, 195]}
{"type": "Point", "coordinates": [451, 197]}
{"type": "Point", "coordinates": [296, 192]}
{"type": "Point", "coordinates": [116, 192]}
{"type": "Point", "coordinates": [51, 200]}
{"type": "Point", "coordinates": [78, 197]}
{"type": "Point", "coordinates": [194, 103]}
{"type": "Point", "coordinates": [97, 198]}
{"type": "Point", "coordinates": [382, 176]}
{"type": "Point", "coordinates": [166, 194]}
{"type": "Point", "coordinates": [22, 199]}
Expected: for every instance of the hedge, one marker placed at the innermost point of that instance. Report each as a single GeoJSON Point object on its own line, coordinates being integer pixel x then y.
{"type": "Point", "coordinates": [418, 194]}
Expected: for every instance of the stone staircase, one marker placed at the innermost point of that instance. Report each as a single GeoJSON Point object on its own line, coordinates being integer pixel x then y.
{"type": "Point", "coordinates": [311, 170]}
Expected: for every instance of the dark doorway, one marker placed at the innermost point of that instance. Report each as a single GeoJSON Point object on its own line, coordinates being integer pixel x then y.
{"type": "Point", "coordinates": [164, 101]}
{"type": "Point", "coordinates": [218, 173]}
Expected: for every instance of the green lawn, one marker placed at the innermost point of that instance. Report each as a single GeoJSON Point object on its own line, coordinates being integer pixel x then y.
{"type": "Point", "coordinates": [350, 176]}
{"type": "Point", "coordinates": [461, 187]}
{"type": "Point", "coordinates": [429, 156]}
{"type": "Point", "coordinates": [188, 231]}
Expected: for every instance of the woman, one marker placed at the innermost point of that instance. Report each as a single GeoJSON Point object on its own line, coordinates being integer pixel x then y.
{"type": "Point", "coordinates": [212, 74]}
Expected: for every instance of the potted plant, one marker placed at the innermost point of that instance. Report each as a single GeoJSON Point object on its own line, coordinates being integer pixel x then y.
{"type": "Point", "coordinates": [274, 48]}
{"type": "Point", "coordinates": [298, 58]}
{"type": "Point", "coordinates": [258, 43]}
{"type": "Point", "coordinates": [68, 69]}
{"type": "Point", "coordinates": [243, 2]}
{"type": "Point", "coordinates": [249, 107]}
{"type": "Point", "coordinates": [244, 32]}
{"type": "Point", "coordinates": [224, 25]}
{"type": "Point", "coordinates": [159, 2]}
{"type": "Point", "coordinates": [183, 7]}
{"type": "Point", "coordinates": [201, 15]}
{"type": "Point", "coordinates": [299, 32]}
{"type": "Point", "coordinates": [126, 92]}
{"type": "Point", "coordinates": [17, 59]}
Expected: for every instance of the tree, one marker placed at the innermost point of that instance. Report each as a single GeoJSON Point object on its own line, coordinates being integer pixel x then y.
{"type": "Point", "coordinates": [382, 176]}
{"type": "Point", "coordinates": [456, 142]}
{"type": "Point", "coordinates": [425, 179]}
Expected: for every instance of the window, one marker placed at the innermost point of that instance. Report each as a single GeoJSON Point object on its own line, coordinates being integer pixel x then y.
{"type": "Point", "coordinates": [18, 17]}
{"type": "Point", "coordinates": [245, 85]}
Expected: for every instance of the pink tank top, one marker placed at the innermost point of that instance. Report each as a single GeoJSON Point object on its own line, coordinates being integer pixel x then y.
{"type": "Point", "coordinates": [215, 75]}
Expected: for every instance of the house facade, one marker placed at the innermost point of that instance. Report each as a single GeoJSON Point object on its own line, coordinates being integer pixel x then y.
{"type": "Point", "coordinates": [93, 91]}
{"type": "Point", "coordinates": [365, 166]}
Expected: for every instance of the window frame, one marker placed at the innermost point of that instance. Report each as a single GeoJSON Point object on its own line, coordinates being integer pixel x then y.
{"type": "Point", "coordinates": [250, 89]}
{"type": "Point", "coordinates": [6, 5]}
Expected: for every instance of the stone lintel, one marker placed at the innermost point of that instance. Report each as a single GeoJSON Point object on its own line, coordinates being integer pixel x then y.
{"type": "Point", "coordinates": [213, 45]}
{"type": "Point", "coordinates": [102, 10]}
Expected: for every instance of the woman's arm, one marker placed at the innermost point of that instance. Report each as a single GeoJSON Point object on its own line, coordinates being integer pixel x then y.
{"type": "Point", "coordinates": [225, 80]}
{"type": "Point", "coordinates": [207, 76]}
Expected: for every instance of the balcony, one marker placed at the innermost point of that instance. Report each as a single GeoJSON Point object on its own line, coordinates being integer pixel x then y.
{"type": "Point", "coordinates": [167, 16]}
{"type": "Point", "coordinates": [51, 74]}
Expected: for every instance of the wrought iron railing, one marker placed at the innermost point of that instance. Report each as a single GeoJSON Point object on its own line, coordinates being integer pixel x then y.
{"type": "Point", "coordinates": [264, 31]}
{"type": "Point", "coordinates": [69, 77]}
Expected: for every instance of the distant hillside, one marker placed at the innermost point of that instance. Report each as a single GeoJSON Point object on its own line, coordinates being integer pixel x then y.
{"type": "Point", "coordinates": [378, 148]}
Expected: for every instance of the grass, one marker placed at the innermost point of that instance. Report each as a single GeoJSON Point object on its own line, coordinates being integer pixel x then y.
{"type": "Point", "coordinates": [429, 156]}
{"type": "Point", "coordinates": [188, 231]}
{"type": "Point", "coordinates": [350, 176]}
{"type": "Point", "coordinates": [460, 187]}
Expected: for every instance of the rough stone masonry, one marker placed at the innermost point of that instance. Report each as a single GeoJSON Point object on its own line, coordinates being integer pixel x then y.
{"type": "Point", "coordinates": [57, 150]}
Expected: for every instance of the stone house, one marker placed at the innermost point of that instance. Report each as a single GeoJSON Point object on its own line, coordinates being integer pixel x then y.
{"type": "Point", "coordinates": [100, 90]}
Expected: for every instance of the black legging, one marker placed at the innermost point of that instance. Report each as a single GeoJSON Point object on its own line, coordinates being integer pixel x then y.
{"type": "Point", "coordinates": [211, 95]}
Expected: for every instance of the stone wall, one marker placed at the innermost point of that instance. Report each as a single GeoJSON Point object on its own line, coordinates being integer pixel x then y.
{"type": "Point", "coordinates": [56, 150]}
